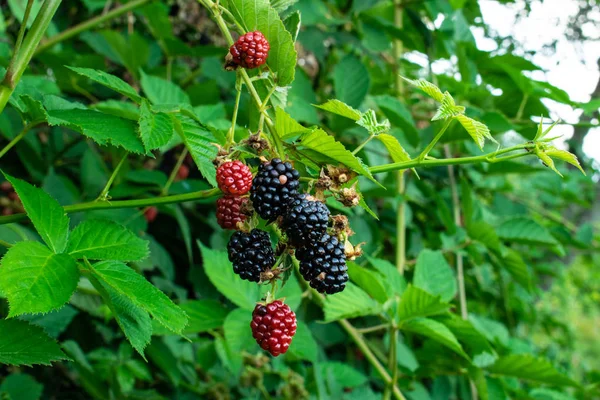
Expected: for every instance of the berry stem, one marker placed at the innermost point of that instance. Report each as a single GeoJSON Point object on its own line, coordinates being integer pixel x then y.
{"type": "Point", "coordinates": [104, 193]}
{"type": "Point", "coordinates": [236, 107]}
{"type": "Point", "coordinates": [435, 139]}
{"type": "Point", "coordinates": [363, 144]}
{"type": "Point", "coordinates": [5, 244]}
{"type": "Point", "coordinates": [18, 138]}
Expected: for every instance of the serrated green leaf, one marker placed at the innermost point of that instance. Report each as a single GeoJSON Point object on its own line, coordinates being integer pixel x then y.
{"type": "Point", "coordinates": [103, 128]}
{"type": "Point", "coordinates": [98, 239]}
{"type": "Point", "coordinates": [340, 108]}
{"type": "Point", "coordinates": [435, 331]}
{"type": "Point", "coordinates": [541, 133]}
{"type": "Point", "coordinates": [286, 126]}
{"type": "Point", "coordinates": [528, 367]}
{"type": "Point", "coordinates": [204, 315]}
{"type": "Point", "coordinates": [259, 15]}
{"type": "Point", "coordinates": [368, 120]}
{"type": "Point", "coordinates": [21, 387]}
{"type": "Point", "coordinates": [525, 230]}
{"type": "Point", "coordinates": [370, 281]}
{"type": "Point", "coordinates": [162, 91]}
{"type": "Point", "coordinates": [448, 108]}
{"type": "Point", "coordinates": [394, 147]}
{"type": "Point", "coordinates": [548, 162]}
{"type": "Point", "coordinates": [24, 344]}
{"type": "Point", "coordinates": [304, 346]}
{"type": "Point", "coordinates": [237, 331]}
{"type": "Point", "coordinates": [416, 303]}
{"type": "Point", "coordinates": [432, 90]}
{"type": "Point", "coordinates": [344, 374]}
{"type": "Point", "coordinates": [514, 264]}
{"type": "Point", "coordinates": [155, 129]}
{"type": "Point", "coordinates": [200, 142]}
{"type": "Point", "coordinates": [220, 272]}
{"type": "Point", "coordinates": [434, 275]}
{"type": "Point", "coordinates": [319, 141]}
{"type": "Point", "coordinates": [477, 130]}
{"type": "Point", "coordinates": [292, 23]}
{"type": "Point", "coordinates": [282, 5]}
{"type": "Point", "coordinates": [142, 293]}
{"type": "Point", "coordinates": [45, 213]}
{"type": "Point", "coordinates": [108, 80]}
{"type": "Point", "coordinates": [474, 341]}
{"type": "Point", "coordinates": [484, 233]}
{"type": "Point", "coordinates": [133, 320]}
{"type": "Point", "coordinates": [53, 323]}
{"type": "Point", "coordinates": [564, 156]}
{"type": "Point", "coordinates": [352, 302]}
{"type": "Point", "coordinates": [35, 280]}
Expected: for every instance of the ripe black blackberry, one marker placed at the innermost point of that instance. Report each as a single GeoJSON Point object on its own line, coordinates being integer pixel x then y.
{"type": "Point", "coordinates": [275, 184]}
{"type": "Point", "coordinates": [323, 264]}
{"type": "Point", "coordinates": [251, 253]}
{"type": "Point", "coordinates": [305, 220]}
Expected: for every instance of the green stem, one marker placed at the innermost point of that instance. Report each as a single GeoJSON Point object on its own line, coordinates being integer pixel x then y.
{"type": "Point", "coordinates": [21, 33]}
{"type": "Point", "coordinates": [89, 24]}
{"type": "Point", "coordinates": [363, 144]}
{"type": "Point", "coordinates": [484, 158]}
{"type": "Point", "coordinates": [5, 244]}
{"type": "Point", "coordinates": [375, 328]}
{"type": "Point", "coordinates": [401, 225]}
{"type": "Point", "coordinates": [136, 203]}
{"type": "Point", "coordinates": [174, 172]}
{"type": "Point", "coordinates": [18, 138]}
{"type": "Point", "coordinates": [236, 107]}
{"type": "Point", "coordinates": [435, 139]}
{"type": "Point", "coordinates": [104, 193]}
{"type": "Point", "coordinates": [20, 59]}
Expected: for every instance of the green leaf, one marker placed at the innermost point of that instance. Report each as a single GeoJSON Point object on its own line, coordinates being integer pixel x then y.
{"type": "Point", "coordinates": [448, 108]}
{"type": "Point", "coordinates": [394, 283]}
{"type": "Point", "coordinates": [24, 344]}
{"type": "Point", "coordinates": [108, 80]}
{"type": "Point", "coordinates": [292, 23]}
{"type": "Point", "coordinates": [478, 131]}
{"type": "Point", "coordinates": [220, 272]}
{"type": "Point", "coordinates": [345, 375]}
{"type": "Point", "coordinates": [432, 90]}
{"type": "Point", "coordinates": [547, 160]}
{"type": "Point", "coordinates": [435, 331]}
{"type": "Point", "coordinates": [132, 318]}
{"type": "Point", "coordinates": [564, 156]}
{"type": "Point", "coordinates": [286, 126]}
{"type": "Point", "coordinates": [201, 144]}
{"type": "Point", "coordinates": [45, 213]}
{"type": "Point", "coordinates": [281, 5]}
{"type": "Point", "coordinates": [525, 230]}
{"type": "Point", "coordinates": [369, 121]}
{"type": "Point", "coordinates": [473, 339]}
{"type": "Point", "coordinates": [352, 302]}
{"type": "Point", "coordinates": [484, 233]}
{"type": "Point", "coordinates": [238, 333]}
{"type": "Point", "coordinates": [259, 15]}
{"type": "Point", "coordinates": [340, 108]}
{"type": "Point", "coordinates": [54, 323]}
{"type": "Point", "coordinates": [99, 239]}
{"type": "Point", "coordinates": [531, 368]}
{"type": "Point", "coordinates": [155, 129]}
{"type": "Point", "coordinates": [134, 286]}
{"type": "Point", "coordinates": [21, 387]}
{"type": "Point", "coordinates": [161, 91]}
{"type": "Point", "coordinates": [394, 147]}
{"type": "Point", "coordinates": [204, 315]}
{"type": "Point", "coordinates": [370, 281]}
{"type": "Point", "coordinates": [416, 303]}
{"type": "Point", "coordinates": [35, 280]}
{"type": "Point", "coordinates": [514, 264]}
{"type": "Point", "coordinates": [351, 81]}
{"type": "Point", "coordinates": [319, 141]}
{"type": "Point", "coordinates": [304, 346]}
{"type": "Point", "coordinates": [541, 133]}
{"type": "Point", "coordinates": [434, 275]}
{"type": "Point", "coordinates": [103, 128]}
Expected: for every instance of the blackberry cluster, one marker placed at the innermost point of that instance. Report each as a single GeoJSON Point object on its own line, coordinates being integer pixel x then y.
{"type": "Point", "coordinates": [305, 220]}
{"type": "Point", "coordinates": [323, 264]}
{"type": "Point", "coordinates": [275, 184]}
{"type": "Point", "coordinates": [251, 254]}
{"type": "Point", "coordinates": [273, 326]}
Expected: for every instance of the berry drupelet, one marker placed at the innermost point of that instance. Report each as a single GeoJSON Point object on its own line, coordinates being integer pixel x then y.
{"type": "Point", "coordinates": [251, 254]}
{"type": "Point", "coordinates": [274, 186]}
{"type": "Point", "coordinates": [323, 264]}
{"type": "Point", "coordinates": [229, 211]}
{"type": "Point", "coordinates": [305, 220]}
{"type": "Point", "coordinates": [273, 326]}
{"type": "Point", "coordinates": [234, 177]}
{"type": "Point", "coordinates": [250, 51]}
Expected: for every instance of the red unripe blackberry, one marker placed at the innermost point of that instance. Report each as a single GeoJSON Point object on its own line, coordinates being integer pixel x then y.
{"type": "Point", "coordinates": [250, 50]}
{"type": "Point", "coordinates": [305, 220]}
{"type": "Point", "coordinates": [323, 264]}
{"type": "Point", "coordinates": [234, 177]}
{"type": "Point", "coordinates": [151, 213]}
{"type": "Point", "coordinates": [229, 211]}
{"type": "Point", "coordinates": [274, 186]}
{"type": "Point", "coordinates": [251, 254]}
{"type": "Point", "coordinates": [6, 186]}
{"type": "Point", "coordinates": [183, 172]}
{"type": "Point", "coordinates": [273, 326]}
